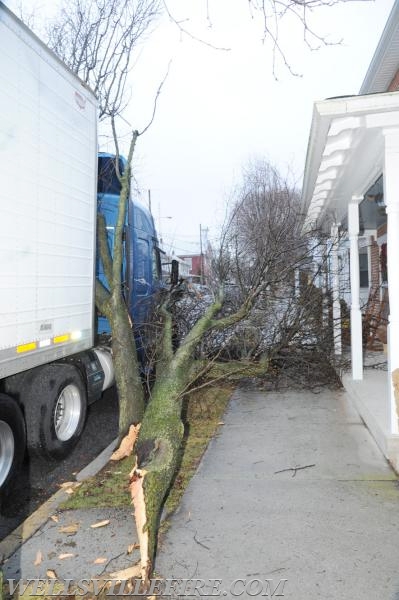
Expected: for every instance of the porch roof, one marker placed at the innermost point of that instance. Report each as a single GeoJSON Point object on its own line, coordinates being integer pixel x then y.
{"type": "Point", "coordinates": [345, 152]}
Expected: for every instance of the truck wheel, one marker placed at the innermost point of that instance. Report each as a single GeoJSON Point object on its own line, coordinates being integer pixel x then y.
{"type": "Point", "coordinates": [12, 439]}
{"type": "Point", "coordinates": [55, 406]}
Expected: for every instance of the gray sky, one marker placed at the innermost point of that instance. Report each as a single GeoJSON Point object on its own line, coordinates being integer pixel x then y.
{"type": "Point", "coordinates": [218, 109]}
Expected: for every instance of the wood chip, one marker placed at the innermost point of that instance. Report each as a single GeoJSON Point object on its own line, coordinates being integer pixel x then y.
{"type": "Point", "coordinates": [132, 547]}
{"type": "Point", "coordinates": [100, 561]}
{"type": "Point", "coordinates": [51, 574]}
{"type": "Point", "coordinates": [65, 555]}
{"type": "Point", "coordinates": [126, 447]}
{"type": "Point", "coordinates": [127, 573]}
{"type": "Point", "coordinates": [70, 529]}
{"type": "Point", "coordinates": [39, 558]}
{"type": "Point", "coordinates": [100, 524]}
{"type": "Point", "coordinates": [54, 518]}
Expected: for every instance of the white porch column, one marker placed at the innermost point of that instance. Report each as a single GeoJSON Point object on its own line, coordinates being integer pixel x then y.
{"type": "Point", "coordinates": [356, 315]}
{"type": "Point", "coordinates": [337, 331]}
{"type": "Point", "coordinates": [391, 197]}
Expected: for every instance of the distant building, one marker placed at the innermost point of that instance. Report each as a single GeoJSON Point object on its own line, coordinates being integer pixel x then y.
{"type": "Point", "coordinates": [198, 266]}
{"type": "Point", "coordinates": [184, 266]}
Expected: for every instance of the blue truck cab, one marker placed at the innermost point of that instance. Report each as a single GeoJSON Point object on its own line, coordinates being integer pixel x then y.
{"type": "Point", "coordinates": [141, 271]}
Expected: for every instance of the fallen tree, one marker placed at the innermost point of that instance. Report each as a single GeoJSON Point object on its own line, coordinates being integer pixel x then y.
{"type": "Point", "coordinates": [262, 249]}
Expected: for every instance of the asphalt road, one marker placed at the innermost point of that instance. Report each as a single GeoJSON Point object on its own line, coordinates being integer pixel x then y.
{"type": "Point", "coordinates": [39, 479]}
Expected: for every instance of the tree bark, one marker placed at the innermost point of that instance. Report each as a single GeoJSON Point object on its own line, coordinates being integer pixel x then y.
{"type": "Point", "coordinates": [157, 455]}
{"type": "Point", "coordinates": [111, 302]}
{"type": "Point", "coordinates": [127, 368]}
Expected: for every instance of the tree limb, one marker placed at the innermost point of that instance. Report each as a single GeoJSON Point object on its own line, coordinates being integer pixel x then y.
{"type": "Point", "coordinates": [103, 248]}
{"type": "Point", "coordinates": [102, 297]}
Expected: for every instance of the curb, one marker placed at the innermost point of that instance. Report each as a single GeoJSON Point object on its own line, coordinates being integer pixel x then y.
{"type": "Point", "coordinates": [97, 463]}
{"type": "Point", "coordinates": [32, 524]}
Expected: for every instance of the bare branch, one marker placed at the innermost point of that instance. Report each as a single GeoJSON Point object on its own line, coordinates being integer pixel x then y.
{"type": "Point", "coordinates": [97, 41]}
{"type": "Point", "coordinates": [275, 12]}
{"type": "Point", "coordinates": [154, 110]}
{"type": "Point", "coordinates": [188, 33]}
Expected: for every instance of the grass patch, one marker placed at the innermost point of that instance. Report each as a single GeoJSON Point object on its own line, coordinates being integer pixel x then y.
{"type": "Point", "coordinates": [202, 412]}
{"type": "Point", "coordinates": [109, 488]}
{"type": "Point", "coordinates": [235, 370]}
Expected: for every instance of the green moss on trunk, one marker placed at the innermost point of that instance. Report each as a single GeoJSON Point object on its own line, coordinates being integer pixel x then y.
{"type": "Point", "coordinates": [157, 455]}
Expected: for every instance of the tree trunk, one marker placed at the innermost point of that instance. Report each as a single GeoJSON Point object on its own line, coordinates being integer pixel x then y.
{"type": "Point", "coordinates": [127, 370]}
{"type": "Point", "coordinates": [157, 455]}
{"type": "Point", "coordinates": [160, 437]}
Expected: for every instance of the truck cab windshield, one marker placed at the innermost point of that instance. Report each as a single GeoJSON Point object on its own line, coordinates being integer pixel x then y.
{"type": "Point", "coordinates": [108, 182]}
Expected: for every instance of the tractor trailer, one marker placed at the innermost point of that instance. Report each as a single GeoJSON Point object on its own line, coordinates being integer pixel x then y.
{"type": "Point", "coordinates": [50, 365]}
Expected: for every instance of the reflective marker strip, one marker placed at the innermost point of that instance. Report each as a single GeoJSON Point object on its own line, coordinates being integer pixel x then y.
{"type": "Point", "coordinates": [75, 336]}
{"type": "Point", "coordinates": [26, 347]}
{"type": "Point", "coordinates": [61, 338]}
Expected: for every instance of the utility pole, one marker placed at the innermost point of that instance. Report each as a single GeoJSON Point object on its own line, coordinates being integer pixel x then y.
{"type": "Point", "coordinates": [201, 258]}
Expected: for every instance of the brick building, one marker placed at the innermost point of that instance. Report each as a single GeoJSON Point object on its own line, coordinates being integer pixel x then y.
{"type": "Point", "coordinates": [198, 267]}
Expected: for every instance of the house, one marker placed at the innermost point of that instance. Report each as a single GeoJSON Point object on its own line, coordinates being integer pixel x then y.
{"type": "Point", "coordinates": [351, 190]}
{"type": "Point", "coordinates": [198, 267]}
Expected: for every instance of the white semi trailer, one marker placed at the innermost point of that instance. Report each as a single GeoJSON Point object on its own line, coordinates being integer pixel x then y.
{"type": "Point", "coordinates": [49, 368]}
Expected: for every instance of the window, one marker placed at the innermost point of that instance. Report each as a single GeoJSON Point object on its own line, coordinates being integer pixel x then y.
{"type": "Point", "coordinates": [364, 267]}
{"type": "Point", "coordinates": [142, 259]}
{"type": "Point", "coordinates": [141, 263]}
{"type": "Point", "coordinates": [156, 265]}
{"type": "Point", "coordinates": [108, 182]}
{"type": "Point", "coordinates": [383, 263]}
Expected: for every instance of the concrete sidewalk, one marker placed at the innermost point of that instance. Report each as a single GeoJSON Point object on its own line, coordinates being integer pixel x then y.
{"type": "Point", "coordinates": [293, 490]}
{"type": "Point", "coordinates": [330, 530]}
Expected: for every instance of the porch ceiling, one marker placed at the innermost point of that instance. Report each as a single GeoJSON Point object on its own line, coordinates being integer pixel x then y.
{"type": "Point", "coordinates": [345, 152]}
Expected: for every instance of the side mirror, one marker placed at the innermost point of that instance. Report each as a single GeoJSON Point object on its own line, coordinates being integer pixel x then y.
{"type": "Point", "coordinates": [174, 277]}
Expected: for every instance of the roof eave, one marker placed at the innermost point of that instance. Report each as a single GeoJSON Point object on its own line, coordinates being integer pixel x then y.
{"type": "Point", "coordinates": [377, 80]}
{"type": "Point", "coordinates": [334, 110]}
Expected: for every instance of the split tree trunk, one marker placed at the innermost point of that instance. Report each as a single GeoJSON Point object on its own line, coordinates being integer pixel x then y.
{"type": "Point", "coordinates": [158, 445]}
{"type": "Point", "coordinates": [157, 456]}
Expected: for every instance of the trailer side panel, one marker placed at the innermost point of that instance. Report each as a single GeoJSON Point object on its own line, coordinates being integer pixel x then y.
{"type": "Point", "coordinates": [48, 144]}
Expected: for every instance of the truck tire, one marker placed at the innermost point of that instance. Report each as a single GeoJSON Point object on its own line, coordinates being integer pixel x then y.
{"type": "Point", "coordinates": [12, 439]}
{"type": "Point", "coordinates": [55, 404]}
